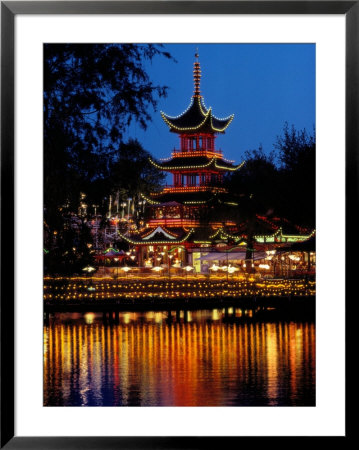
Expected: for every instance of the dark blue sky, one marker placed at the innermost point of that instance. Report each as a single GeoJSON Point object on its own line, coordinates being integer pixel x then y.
{"type": "Point", "coordinates": [263, 85]}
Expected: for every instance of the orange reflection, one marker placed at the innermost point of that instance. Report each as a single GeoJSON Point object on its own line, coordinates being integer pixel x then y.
{"type": "Point", "coordinates": [163, 359]}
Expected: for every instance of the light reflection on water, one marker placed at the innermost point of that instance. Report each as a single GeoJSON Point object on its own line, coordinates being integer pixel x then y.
{"type": "Point", "coordinates": [192, 358]}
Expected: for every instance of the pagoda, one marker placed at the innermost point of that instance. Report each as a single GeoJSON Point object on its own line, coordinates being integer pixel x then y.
{"type": "Point", "coordinates": [177, 217]}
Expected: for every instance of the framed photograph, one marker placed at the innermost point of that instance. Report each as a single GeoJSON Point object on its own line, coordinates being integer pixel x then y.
{"type": "Point", "coordinates": [174, 183]}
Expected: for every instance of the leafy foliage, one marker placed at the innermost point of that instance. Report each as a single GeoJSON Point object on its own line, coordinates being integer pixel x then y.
{"type": "Point", "coordinates": [92, 92]}
{"type": "Point", "coordinates": [256, 181]}
{"type": "Point", "coordinates": [297, 154]}
{"type": "Point", "coordinates": [286, 189]}
{"type": "Point", "coordinates": [70, 248]}
{"type": "Point", "coordinates": [132, 170]}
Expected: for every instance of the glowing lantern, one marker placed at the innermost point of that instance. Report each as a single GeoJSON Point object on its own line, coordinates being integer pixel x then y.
{"type": "Point", "coordinates": [89, 269]}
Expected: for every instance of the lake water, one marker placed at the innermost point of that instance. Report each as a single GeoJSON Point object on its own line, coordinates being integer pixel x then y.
{"type": "Point", "coordinates": [197, 358]}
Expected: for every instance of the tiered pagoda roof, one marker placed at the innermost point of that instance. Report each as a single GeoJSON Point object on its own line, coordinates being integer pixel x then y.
{"type": "Point", "coordinates": [196, 162]}
{"type": "Point", "coordinates": [208, 196]}
{"type": "Point", "coordinates": [197, 118]}
{"type": "Point", "coordinates": [177, 212]}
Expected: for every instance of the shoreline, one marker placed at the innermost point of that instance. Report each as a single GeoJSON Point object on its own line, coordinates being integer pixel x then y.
{"type": "Point", "coordinates": [287, 305]}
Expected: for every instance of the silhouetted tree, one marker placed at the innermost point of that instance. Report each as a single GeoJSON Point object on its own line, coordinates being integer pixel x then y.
{"type": "Point", "coordinates": [296, 152]}
{"type": "Point", "coordinates": [258, 180]}
{"type": "Point", "coordinates": [280, 183]}
{"type": "Point", "coordinates": [132, 174]}
{"type": "Point", "coordinates": [92, 92]}
{"type": "Point", "coordinates": [70, 250]}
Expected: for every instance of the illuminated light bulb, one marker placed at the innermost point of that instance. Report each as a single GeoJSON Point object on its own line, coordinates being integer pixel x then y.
{"type": "Point", "coordinates": [89, 269]}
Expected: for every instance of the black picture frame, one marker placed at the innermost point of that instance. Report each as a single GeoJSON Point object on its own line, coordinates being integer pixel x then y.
{"type": "Point", "coordinates": [9, 9]}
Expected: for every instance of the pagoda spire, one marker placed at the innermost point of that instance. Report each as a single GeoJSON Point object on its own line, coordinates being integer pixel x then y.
{"type": "Point", "coordinates": [197, 118]}
{"type": "Point", "coordinates": [196, 76]}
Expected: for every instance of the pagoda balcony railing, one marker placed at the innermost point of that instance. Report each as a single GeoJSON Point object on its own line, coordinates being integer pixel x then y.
{"type": "Point", "coordinates": [174, 223]}
{"type": "Point", "coordinates": [185, 223]}
{"type": "Point", "coordinates": [168, 188]}
{"type": "Point", "coordinates": [180, 153]}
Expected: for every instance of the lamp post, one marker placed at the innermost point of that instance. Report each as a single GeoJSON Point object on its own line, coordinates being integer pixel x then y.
{"type": "Point", "coordinates": [157, 269]}
{"type": "Point", "coordinates": [169, 265]}
{"type": "Point", "coordinates": [139, 209]}
{"type": "Point", "coordinates": [126, 269]}
{"type": "Point", "coordinates": [88, 269]}
{"type": "Point", "coordinates": [110, 207]}
{"type": "Point", "coordinates": [227, 265]}
{"type": "Point", "coordinates": [231, 269]}
{"type": "Point", "coordinates": [123, 204]}
{"type": "Point", "coordinates": [213, 268]}
{"type": "Point", "coordinates": [116, 261]}
{"type": "Point", "coordinates": [133, 258]}
{"type": "Point", "coordinates": [128, 208]}
{"type": "Point", "coordinates": [188, 269]}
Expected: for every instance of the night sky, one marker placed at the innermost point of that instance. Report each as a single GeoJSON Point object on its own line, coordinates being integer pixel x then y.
{"type": "Point", "coordinates": [263, 85]}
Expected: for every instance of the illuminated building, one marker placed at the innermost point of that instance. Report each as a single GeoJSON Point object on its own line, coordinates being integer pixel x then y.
{"type": "Point", "coordinates": [176, 222]}
{"type": "Point", "coordinates": [182, 224]}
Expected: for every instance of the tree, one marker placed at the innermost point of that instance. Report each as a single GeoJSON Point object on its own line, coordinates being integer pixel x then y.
{"type": "Point", "coordinates": [70, 250]}
{"type": "Point", "coordinates": [257, 180]}
{"type": "Point", "coordinates": [280, 184]}
{"type": "Point", "coordinates": [92, 92]}
{"type": "Point", "coordinates": [296, 152]}
{"type": "Point", "coordinates": [295, 147]}
{"type": "Point", "coordinates": [132, 174]}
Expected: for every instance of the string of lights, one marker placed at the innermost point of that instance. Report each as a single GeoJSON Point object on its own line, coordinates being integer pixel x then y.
{"type": "Point", "coordinates": [65, 289]}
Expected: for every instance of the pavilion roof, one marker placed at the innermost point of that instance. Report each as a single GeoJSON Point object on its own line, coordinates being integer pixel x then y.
{"type": "Point", "coordinates": [309, 245]}
{"type": "Point", "coordinates": [159, 235]}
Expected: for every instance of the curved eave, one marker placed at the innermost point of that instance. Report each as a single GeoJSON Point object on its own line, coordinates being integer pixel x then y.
{"type": "Point", "coordinates": [150, 201]}
{"type": "Point", "coordinates": [209, 123]}
{"type": "Point", "coordinates": [232, 169]}
{"type": "Point", "coordinates": [220, 125]}
{"type": "Point", "coordinates": [168, 241]}
{"type": "Point", "coordinates": [223, 235]}
{"type": "Point", "coordinates": [199, 118]}
{"type": "Point", "coordinates": [212, 162]}
{"type": "Point", "coordinates": [190, 167]}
